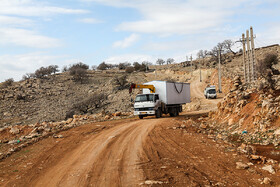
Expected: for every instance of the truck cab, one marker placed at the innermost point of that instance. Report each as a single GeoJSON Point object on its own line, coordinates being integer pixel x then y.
{"type": "Point", "coordinates": [210, 92]}
{"type": "Point", "coordinates": [146, 104]}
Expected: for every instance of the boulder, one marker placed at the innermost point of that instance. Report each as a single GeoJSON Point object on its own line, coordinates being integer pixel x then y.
{"type": "Point", "coordinates": [14, 130]}
{"type": "Point", "coordinates": [266, 180]}
{"type": "Point", "coordinates": [241, 165]}
{"type": "Point", "coordinates": [269, 168]}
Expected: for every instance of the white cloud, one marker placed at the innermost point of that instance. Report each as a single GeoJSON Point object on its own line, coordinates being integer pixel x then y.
{"type": "Point", "coordinates": [14, 21]}
{"type": "Point", "coordinates": [89, 20]}
{"type": "Point", "coordinates": [130, 58]}
{"type": "Point", "coordinates": [27, 38]}
{"type": "Point", "coordinates": [15, 66]}
{"type": "Point", "coordinates": [33, 8]}
{"type": "Point", "coordinates": [127, 41]}
{"type": "Point", "coordinates": [16, 26]}
{"type": "Point", "coordinates": [176, 16]}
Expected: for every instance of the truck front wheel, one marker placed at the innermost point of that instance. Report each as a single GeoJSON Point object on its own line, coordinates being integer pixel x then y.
{"type": "Point", "coordinates": [158, 113]}
{"type": "Point", "coordinates": [141, 117]}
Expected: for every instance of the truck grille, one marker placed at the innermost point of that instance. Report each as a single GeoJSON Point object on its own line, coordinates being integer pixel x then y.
{"type": "Point", "coordinates": [143, 109]}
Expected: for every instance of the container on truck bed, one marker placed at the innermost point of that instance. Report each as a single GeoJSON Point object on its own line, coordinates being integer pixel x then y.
{"type": "Point", "coordinates": [161, 97]}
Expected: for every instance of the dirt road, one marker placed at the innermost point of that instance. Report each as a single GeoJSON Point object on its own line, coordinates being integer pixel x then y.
{"type": "Point", "coordinates": [132, 152]}
{"type": "Point", "coordinates": [129, 153]}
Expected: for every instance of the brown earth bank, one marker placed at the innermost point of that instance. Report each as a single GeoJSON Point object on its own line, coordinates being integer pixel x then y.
{"type": "Point", "coordinates": [131, 152]}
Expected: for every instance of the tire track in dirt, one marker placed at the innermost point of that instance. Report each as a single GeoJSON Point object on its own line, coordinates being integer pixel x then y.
{"type": "Point", "coordinates": [185, 158]}
{"type": "Point", "coordinates": [108, 159]}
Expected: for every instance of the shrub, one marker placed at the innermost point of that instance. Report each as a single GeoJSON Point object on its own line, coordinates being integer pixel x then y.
{"type": "Point", "coordinates": [103, 66]}
{"type": "Point", "coordinates": [43, 72]}
{"type": "Point", "coordinates": [123, 66]}
{"type": "Point", "coordinates": [121, 82]}
{"type": "Point", "coordinates": [266, 70]}
{"type": "Point", "coordinates": [79, 65]}
{"type": "Point", "coordinates": [88, 105]}
{"type": "Point", "coordinates": [129, 69]}
{"type": "Point", "coordinates": [139, 67]}
{"type": "Point", "coordinates": [7, 83]}
{"type": "Point", "coordinates": [28, 76]}
{"type": "Point", "coordinates": [53, 69]}
{"type": "Point", "coordinates": [78, 74]}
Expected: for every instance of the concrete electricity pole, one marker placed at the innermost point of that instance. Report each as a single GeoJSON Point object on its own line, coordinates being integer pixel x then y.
{"type": "Point", "coordinates": [200, 71]}
{"type": "Point", "coordinates": [191, 66]}
{"type": "Point", "coordinates": [219, 59]}
{"type": "Point", "coordinates": [244, 58]}
{"type": "Point", "coordinates": [248, 57]}
{"type": "Point", "coordinates": [253, 55]}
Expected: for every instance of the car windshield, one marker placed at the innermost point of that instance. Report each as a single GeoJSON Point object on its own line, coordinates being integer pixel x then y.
{"type": "Point", "coordinates": [146, 97]}
{"type": "Point", "coordinates": [212, 91]}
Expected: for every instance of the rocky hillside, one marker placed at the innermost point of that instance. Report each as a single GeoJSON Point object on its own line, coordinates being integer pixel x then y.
{"type": "Point", "coordinates": [56, 97]}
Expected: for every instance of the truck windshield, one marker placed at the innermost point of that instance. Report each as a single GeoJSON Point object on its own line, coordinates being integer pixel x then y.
{"type": "Point", "coordinates": [146, 97]}
{"type": "Point", "coordinates": [212, 91]}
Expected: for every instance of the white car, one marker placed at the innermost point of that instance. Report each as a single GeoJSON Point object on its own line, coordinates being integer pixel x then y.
{"type": "Point", "coordinates": [210, 92]}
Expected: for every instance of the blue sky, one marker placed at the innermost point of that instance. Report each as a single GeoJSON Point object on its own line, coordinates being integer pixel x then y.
{"type": "Point", "coordinates": [37, 33]}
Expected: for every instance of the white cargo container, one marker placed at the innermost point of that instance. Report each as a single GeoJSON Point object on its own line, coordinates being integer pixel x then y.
{"type": "Point", "coordinates": [171, 92]}
{"type": "Point", "coordinates": [166, 98]}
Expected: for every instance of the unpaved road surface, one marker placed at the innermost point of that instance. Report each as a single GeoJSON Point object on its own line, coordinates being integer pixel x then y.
{"type": "Point", "coordinates": [129, 153]}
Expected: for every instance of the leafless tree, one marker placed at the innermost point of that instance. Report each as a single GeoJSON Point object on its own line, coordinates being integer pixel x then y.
{"type": "Point", "coordinates": [170, 61]}
{"type": "Point", "coordinates": [227, 45]}
{"type": "Point", "coordinates": [160, 61]}
{"type": "Point", "coordinates": [202, 53]}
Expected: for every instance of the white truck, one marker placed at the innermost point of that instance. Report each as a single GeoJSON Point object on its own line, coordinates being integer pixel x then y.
{"type": "Point", "coordinates": [161, 97]}
{"type": "Point", "coordinates": [210, 92]}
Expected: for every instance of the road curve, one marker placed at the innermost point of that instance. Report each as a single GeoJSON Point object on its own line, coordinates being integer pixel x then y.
{"type": "Point", "coordinates": [109, 159]}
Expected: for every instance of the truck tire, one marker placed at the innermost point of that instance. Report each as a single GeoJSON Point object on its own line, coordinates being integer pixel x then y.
{"type": "Point", "coordinates": [141, 117]}
{"type": "Point", "coordinates": [158, 113]}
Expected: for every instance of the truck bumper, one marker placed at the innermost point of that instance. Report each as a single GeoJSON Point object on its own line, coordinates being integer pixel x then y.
{"type": "Point", "coordinates": [144, 113]}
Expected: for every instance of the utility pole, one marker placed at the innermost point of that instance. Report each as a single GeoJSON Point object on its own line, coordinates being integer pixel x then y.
{"type": "Point", "coordinates": [248, 56]}
{"type": "Point", "coordinates": [244, 58]}
{"type": "Point", "coordinates": [253, 55]}
{"type": "Point", "coordinates": [219, 59]}
{"type": "Point", "coordinates": [200, 71]}
{"type": "Point", "coordinates": [191, 66]}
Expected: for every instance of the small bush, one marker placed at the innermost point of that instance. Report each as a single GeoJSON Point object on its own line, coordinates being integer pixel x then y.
{"type": "Point", "coordinates": [103, 66]}
{"type": "Point", "coordinates": [7, 83]}
{"type": "Point", "coordinates": [79, 65]}
{"type": "Point", "coordinates": [121, 82]}
{"type": "Point", "coordinates": [28, 76]}
{"type": "Point", "coordinates": [129, 69]}
{"type": "Point", "coordinates": [123, 66]}
{"type": "Point", "coordinates": [266, 70]}
{"type": "Point", "coordinates": [78, 74]}
{"type": "Point", "coordinates": [43, 72]}
{"type": "Point", "coordinates": [139, 67]}
{"type": "Point", "coordinates": [88, 105]}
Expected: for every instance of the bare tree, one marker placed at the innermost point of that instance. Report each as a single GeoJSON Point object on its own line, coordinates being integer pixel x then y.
{"type": "Point", "coordinates": [160, 61]}
{"type": "Point", "coordinates": [227, 45]}
{"type": "Point", "coordinates": [170, 61]}
{"type": "Point", "coordinates": [202, 53]}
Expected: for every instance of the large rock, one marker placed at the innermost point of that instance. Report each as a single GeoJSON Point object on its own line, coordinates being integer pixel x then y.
{"type": "Point", "coordinates": [14, 130]}
{"type": "Point", "coordinates": [241, 165]}
{"type": "Point", "coordinates": [269, 168]}
{"type": "Point", "coordinates": [277, 132]}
